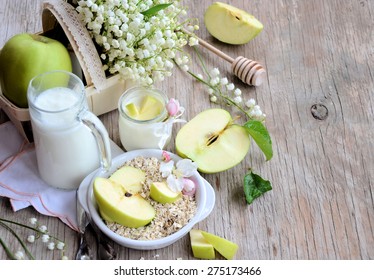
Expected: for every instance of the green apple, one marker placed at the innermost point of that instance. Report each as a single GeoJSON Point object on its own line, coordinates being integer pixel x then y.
{"type": "Point", "coordinates": [131, 178]}
{"type": "Point", "coordinates": [201, 248]}
{"type": "Point", "coordinates": [148, 108]}
{"type": "Point", "coordinates": [132, 110]}
{"type": "Point", "coordinates": [160, 192]}
{"type": "Point", "coordinates": [117, 205]}
{"type": "Point", "coordinates": [230, 24]}
{"type": "Point", "coordinates": [25, 56]}
{"type": "Point", "coordinates": [212, 141]}
{"type": "Point", "coordinates": [225, 247]}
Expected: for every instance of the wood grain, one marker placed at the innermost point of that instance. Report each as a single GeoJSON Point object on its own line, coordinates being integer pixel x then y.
{"type": "Point", "coordinates": [318, 98]}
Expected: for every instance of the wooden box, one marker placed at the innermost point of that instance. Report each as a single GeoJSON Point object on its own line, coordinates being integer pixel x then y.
{"type": "Point", "coordinates": [61, 21]}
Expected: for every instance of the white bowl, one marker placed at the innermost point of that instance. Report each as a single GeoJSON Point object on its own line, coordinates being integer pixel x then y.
{"type": "Point", "coordinates": [205, 198]}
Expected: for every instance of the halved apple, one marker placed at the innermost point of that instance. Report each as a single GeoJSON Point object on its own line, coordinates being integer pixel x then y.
{"type": "Point", "coordinates": [117, 205]}
{"type": "Point", "coordinates": [201, 248]}
{"type": "Point", "coordinates": [230, 24]}
{"type": "Point", "coordinates": [225, 247]}
{"type": "Point", "coordinates": [131, 178]}
{"type": "Point", "coordinates": [160, 192]}
{"type": "Point", "coordinates": [212, 141]}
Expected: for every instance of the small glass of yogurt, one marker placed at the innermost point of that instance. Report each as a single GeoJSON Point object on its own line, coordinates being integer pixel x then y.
{"type": "Point", "coordinates": [144, 121]}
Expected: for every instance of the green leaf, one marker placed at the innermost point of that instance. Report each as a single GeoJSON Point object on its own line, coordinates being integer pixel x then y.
{"type": "Point", "coordinates": [155, 9]}
{"type": "Point", "coordinates": [261, 136]}
{"type": "Point", "coordinates": [255, 186]}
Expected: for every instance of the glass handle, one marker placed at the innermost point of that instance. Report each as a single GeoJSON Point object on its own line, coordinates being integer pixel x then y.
{"type": "Point", "coordinates": [101, 136]}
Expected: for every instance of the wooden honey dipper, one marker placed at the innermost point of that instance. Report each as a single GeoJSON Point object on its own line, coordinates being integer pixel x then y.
{"type": "Point", "coordinates": [249, 71]}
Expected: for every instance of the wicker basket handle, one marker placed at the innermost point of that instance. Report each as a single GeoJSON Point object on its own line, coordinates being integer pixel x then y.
{"type": "Point", "coordinates": [79, 38]}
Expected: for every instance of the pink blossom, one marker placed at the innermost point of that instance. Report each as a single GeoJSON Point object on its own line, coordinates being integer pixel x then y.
{"type": "Point", "coordinates": [189, 187]}
{"type": "Point", "coordinates": [173, 107]}
{"type": "Point", "coordinates": [166, 156]}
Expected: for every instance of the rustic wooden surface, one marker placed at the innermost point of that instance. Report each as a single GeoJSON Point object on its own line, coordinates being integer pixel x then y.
{"type": "Point", "coordinates": [318, 97]}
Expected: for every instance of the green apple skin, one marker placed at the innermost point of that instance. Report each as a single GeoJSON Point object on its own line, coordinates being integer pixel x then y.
{"type": "Point", "coordinates": [131, 178]}
{"type": "Point", "coordinates": [225, 247]}
{"type": "Point", "coordinates": [160, 192]}
{"type": "Point", "coordinates": [201, 249]}
{"type": "Point", "coordinates": [117, 205]}
{"type": "Point", "coordinates": [25, 56]}
{"type": "Point", "coordinates": [212, 141]}
{"type": "Point", "coordinates": [231, 25]}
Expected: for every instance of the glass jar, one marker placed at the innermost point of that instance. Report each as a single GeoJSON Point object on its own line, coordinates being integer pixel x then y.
{"type": "Point", "coordinates": [154, 133]}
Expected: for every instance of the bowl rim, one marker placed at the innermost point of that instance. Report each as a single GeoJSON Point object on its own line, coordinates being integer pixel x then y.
{"type": "Point", "coordinates": [202, 212]}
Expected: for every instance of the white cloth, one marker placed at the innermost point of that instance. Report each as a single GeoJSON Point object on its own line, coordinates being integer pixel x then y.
{"type": "Point", "coordinates": [20, 182]}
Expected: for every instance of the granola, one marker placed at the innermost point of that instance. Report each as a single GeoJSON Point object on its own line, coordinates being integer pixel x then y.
{"type": "Point", "coordinates": [170, 217]}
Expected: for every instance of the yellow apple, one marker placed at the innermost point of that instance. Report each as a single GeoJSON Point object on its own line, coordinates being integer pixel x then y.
{"type": "Point", "coordinates": [200, 247]}
{"type": "Point", "coordinates": [160, 192]}
{"type": "Point", "coordinates": [230, 24]}
{"type": "Point", "coordinates": [225, 247]}
{"type": "Point", "coordinates": [131, 178]}
{"type": "Point", "coordinates": [25, 56]}
{"type": "Point", "coordinates": [117, 205]}
{"type": "Point", "coordinates": [212, 141]}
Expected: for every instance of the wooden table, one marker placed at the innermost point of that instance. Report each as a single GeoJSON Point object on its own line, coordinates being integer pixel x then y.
{"type": "Point", "coordinates": [318, 98]}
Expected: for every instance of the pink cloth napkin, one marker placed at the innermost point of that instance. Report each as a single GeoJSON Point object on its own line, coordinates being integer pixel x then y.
{"type": "Point", "coordinates": [20, 182]}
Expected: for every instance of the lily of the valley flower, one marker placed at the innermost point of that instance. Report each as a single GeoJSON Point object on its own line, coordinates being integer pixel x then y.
{"type": "Point", "coordinates": [176, 175]}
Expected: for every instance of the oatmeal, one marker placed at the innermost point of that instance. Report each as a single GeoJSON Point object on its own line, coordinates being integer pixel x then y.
{"type": "Point", "coordinates": [170, 217]}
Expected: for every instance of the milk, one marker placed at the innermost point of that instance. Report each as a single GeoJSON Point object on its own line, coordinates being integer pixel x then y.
{"type": "Point", "coordinates": [66, 149]}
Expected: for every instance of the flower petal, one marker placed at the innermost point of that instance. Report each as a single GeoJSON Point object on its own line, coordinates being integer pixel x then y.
{"type": "Point", "coordinates": [166, 168]}
{"type": "Point", "coordinates": [174, 183]}
{"type": "Point", "coordinates": [187, 167]}
{"type": "Point", "coordinates": [172, 107]}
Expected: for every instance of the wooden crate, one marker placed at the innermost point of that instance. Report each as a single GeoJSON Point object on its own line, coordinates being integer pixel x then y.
{"type": "Point", "coordinates": [61, 21]}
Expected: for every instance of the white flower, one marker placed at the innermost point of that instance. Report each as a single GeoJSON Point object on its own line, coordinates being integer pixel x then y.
{"type": "Point", "coordinates": [43, 228]}
{"type": "Point", "coordinates": [31, 238]}
{"type": "Point", "coordinates": [214, 72]}
{"type": "Point", "coordinates": [33, 221]}
{"type": "Point", "coordinates": [60, 245]}
{"type": "Point", "coordinates": [250, 103]}
{"type": "Point", "coordinates": [51, 246]}
{"type": "Point", "coordinates": [238, 92]}
{"type": "Point", "coordinates": [45, 238]}
{"type": "Point", "coordinates": [213, 99]}
{"type": "Point", "coordinates": [237, 99]}
{"type": "Point", "coordinates": [64, 258]}
{"type": "Point", "coordinates": [230, 86]}
{"type": "Point", "coordinates": [175, 175]}
{"type": "Point", "coordinates": [19, 255]}
{"type": "Point", "coordinates": [224, 81]}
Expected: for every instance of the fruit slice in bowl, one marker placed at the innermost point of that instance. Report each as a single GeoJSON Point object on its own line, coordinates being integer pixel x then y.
{"type": "Point", "coordinates": [204, 197]}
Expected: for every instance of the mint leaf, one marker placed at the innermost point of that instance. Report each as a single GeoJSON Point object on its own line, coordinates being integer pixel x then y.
{"type": "Point", "coordinates": [255, 186]}
{"type": "Point", "coordinates": [261, 136]}
{"type": "Point", "coordinates": [155, 9]}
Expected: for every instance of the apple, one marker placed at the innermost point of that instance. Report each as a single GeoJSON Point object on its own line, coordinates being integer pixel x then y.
{"type": "Point", "coordinates": [25, 56]}
{"type": "Point", "coordinates": [131, 178]}
{"type": "Point", "coordinates": [201, 248]}
{"type": "Point", "coordinates": [231, 25]}
{"type": "Point", "coordinates": [160, 192]}
{"type": "Point", "coordinates": [212, 141]}
{"type": "Point", "coordinates": [149, 108]}
{"type": "Point", "coordinates": [225, 247]}
{"type": "Point", "coordinates": [117, 205]}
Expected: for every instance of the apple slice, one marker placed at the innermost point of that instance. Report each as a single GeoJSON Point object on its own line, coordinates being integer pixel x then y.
{"type": "Point", "coordinates": [150, 108]}
{"type": "Point", "coordinates": [212, 141]}
{"type": "Point", "coordinates": [200, 247]}
{"type": "Point", "coordinates": [131, 178]}
{"type": "Point", "coordinates": [160, 192]}
{"type": "Point", "coordinates": [230, 24]}
{"type": "Point", "coordinates": [225, 247]}
{"type": "Point", "coordinates": [132, 110]}
{"type": "Point", "coordinates": [117, 205]}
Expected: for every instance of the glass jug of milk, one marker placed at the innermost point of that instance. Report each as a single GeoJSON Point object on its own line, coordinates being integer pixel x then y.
{"type": "Point", "coordinates": [70, 141]}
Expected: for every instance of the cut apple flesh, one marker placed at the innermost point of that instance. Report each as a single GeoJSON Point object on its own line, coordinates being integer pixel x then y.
{"type": "Point", "coordinates": [230, 24]}
{"type": "Point", "coordinates": [210, 140]}
{"type": "Point", "coordinates": [117, 205]}
{"type": "Point", "coordinates": [131, 178]}
{"type": "Point", "coordinates": [225, 247]}
{"type": "Point", "coordinates": [147, 108]}
{"type": "Point", "coordinates": [160, 192]}
{"type": "Point", "coordinates": [201, 248]}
